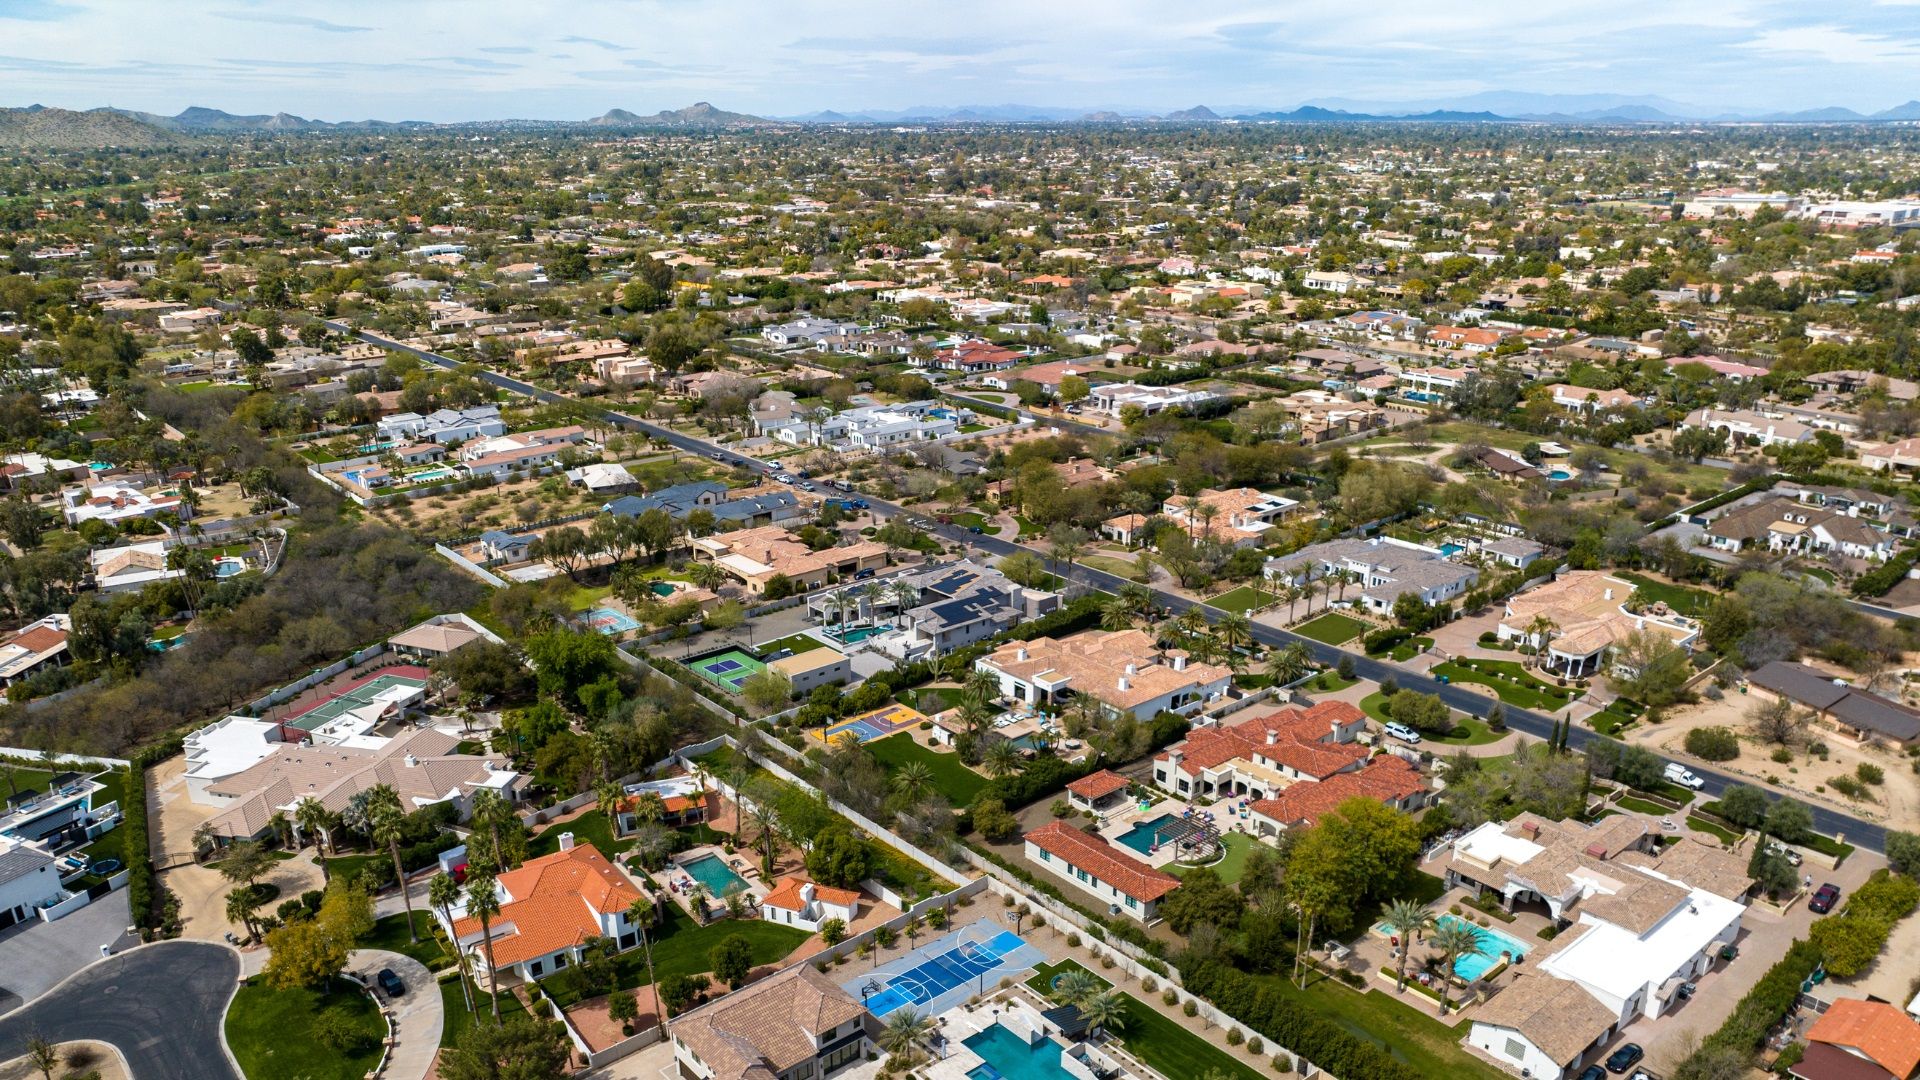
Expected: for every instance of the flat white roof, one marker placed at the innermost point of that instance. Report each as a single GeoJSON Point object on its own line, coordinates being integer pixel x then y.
{"type": "Point", "coordinates": [1490, 843]}
{"type": "Point", "coordinates": [230, 746]}
{"type": "Point", "coordinates": [1619, 962]}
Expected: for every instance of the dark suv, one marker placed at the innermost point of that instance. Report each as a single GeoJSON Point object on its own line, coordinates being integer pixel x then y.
{"type": "Point", "coordinates": [390, 984]}
{"type": "Point", "coordinates": [1623, 1059]}
{"type": "Point", "coordinates": [1824, 898]}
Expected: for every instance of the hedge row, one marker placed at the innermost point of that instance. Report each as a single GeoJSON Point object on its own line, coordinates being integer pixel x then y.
{"type": "Point", "coordinates": [146, 899]}
{"type": "Point", "coordinates": [1767, 1003]}
{"type": "Point", "coordinates": [1877, 581]}
{"type": "Point", "coordinates": [1287, 1023]}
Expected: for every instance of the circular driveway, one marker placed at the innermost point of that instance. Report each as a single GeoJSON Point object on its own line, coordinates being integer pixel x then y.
{"type": "Point", "coordinates": [161, 1005]}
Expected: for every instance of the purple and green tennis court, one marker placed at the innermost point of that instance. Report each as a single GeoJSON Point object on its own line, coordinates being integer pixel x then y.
{"type": "Point", "coordinates": [942, 973]}
{"type": "Point", "coordinates": [727, 670]}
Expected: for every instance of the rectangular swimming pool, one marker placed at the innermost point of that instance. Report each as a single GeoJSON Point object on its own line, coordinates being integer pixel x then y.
{"type": "Point", "coordinates": [1492, 943]}
{"type": "Point", "coordinates": [713, 872]}
{"type": "Point", "coordinates": [1010, 1057]}
{"type": "Point", "coordinates": [1146, 835]}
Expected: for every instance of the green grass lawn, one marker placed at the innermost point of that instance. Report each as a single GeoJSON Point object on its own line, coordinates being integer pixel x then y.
{"type": "Point", "coordinates": [799, 643]}
{"type": "Point", "coordinates": [271, 1033]}
{"type": "Point", "coordinates": [1511, 682]}
{"type": "Point", "coordinates": [390, 934]}
{"type": "Point", "coordinates": [354, 865]}
{"type": "Point", "coordinates": [1680, 598]}
{"type": "Point", "coordinates": [1028, 529]}
{"type": "Point", "coordinates": [931, 700]}
{"type": "Point", "coordinates": [1642, 806]}
{"type": "Point", "coordinates": [1328, 682]}
{"type": "Point", "coordinates": [1240, 600]}
{"type": "Point", "coordinates": [1467, 730]}
{"type": "Point", "coordinates": [1118, 567]}
{"type": "Point", "coordinates": [167, 633]}
{"type": "Point", "coordinates": [1158, 1039]}
{"type": "Point", "coordinates": [1333, 628]}
{"type": "Point", "coordinates": [681, 948]}
{"type": "Point", "coordinates": [1234, 863]}
{"type": "Point", "coordinates": [591, 827]}
{"type": "Point", "coordinates": [1725, 836]}
{"type": "Point", "coordinates": [1429, 1046]}
{"type": "Point", "coordinates": [582, 597]}
{"type": "Point", "coordinates": [458, 1019]}
{"type": "Point", "coordinates": [969, 520]}
{"type": "Point", "coordinates": [951, 777]}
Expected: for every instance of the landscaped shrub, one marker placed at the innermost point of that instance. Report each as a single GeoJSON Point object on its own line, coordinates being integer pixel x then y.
{"type": "Point", "coordinates": [1713, 743]}
{"type": "Point", "coordinates": [1870, 773]}
{"type": "Point", "coordinates": [1848, 786]}
{"type": "Point", "coordinates": [1284, 1021]}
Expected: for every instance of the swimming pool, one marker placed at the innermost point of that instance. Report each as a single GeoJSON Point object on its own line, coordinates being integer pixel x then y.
{"type": "Point", "coordinates": [713, 872]}
{"type": "Point", "coordinates": [229, 567]}
{"type": "Point", "coordinates": [1559, 475]}
{"type": "Point", "coordinates": [428, 476]}
{"type": "Point", "coordinates": [1492, 944]}
{"type": "Point", "coordinates": [857, 634]}
{"type": "Point", "coordinates": [1449, 550]}
{"type": "Point", "coordinates": [1010, 1057]}
{"type": "Point", "coordinates": [1144, 835]}
{"type": "Point", "coordinates": [608, 621]}
{"type": "Point", "coordinates": [660, 588]}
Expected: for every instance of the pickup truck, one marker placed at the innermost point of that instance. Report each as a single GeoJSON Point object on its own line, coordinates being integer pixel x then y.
{"type": "Point", "coordinates": [1683, 776]}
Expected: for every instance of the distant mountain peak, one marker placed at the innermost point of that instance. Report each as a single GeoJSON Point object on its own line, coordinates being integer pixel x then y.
{"type": "Point", "coordinates": [698, 114]}
{"type": "Point", "coordinates": [1198, 112]}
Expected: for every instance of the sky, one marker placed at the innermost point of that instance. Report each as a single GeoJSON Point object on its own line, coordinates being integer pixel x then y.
{"type": "Point", "coordinates": [453, 60]}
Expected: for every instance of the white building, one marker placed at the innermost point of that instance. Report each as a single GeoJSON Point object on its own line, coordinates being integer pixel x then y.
{"type": "Point", "coordinates": [795, 901]}
{"type": "Point", "coordinates": [1114, 398]}
{"type": "Point", "coordinates": [29, 880]}
{"type": "Point", "coordinates": [1381, 569]}
{"type": "Point", "coordinates": [1091, 864]}
{"type": "Point", "coordinates": [1333, 281]}
{"type": "Point", "coordinates": [1746, 426]}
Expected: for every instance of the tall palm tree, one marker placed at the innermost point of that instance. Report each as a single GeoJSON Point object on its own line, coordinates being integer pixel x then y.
{"type": "Point", "coordinates": [488, 812]}
{"type": "Point", "coordinates": [1289, 663]}
{"type": "Point", "coordinates": [871, 592]}
{"type": "Point", "coordinates": [905, 596]}
{"type": "Point", "coordinates": [1292, 594]}
{"type": "Point", "coordinates": [766, 820]}
{"type": "Point", "coordinates": [1116, 614]}
{"type": "Point", "coordinates": [443, 893]}
{"type": "Point", "coordinates": [640, 915]}
{"type": "Point", "coordinates": [1001, 759]}
{"type": "Point", "coordinates": [483, 903]}
{"type": "Point", "coordinates": [1104, 1011]}
{"type": "Point", "coordinates": [1192, 623]}
{"type": "Point", "coordinates": [1454, 939]}
{"type": "Point", "coordinates": [389, 825]}
{"type": "Point", "coordinates": [981, 687]}
{"type": "Point", "coordinates": [1539, 632]}
{"type": "Point", "coordinates": [607, 797]}
{"type": "Point", "coordinates": [1235, 630]}
{"type": "Point", "coordinates": [1405, 919]}
{"type": "Point", "coordinates": [912, 778]}
{"type": "Point", "coordinates": [904, 1032]}
{"type": "Point", "coordinates": [242, 904]}
{"type": "Point", "coordinates": [315, 821]}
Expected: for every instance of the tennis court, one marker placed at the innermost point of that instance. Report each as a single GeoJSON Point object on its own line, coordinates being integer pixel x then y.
{"type": "Point", "coordinates": [610, 620]}
{"type": "Point", "coordinates": [938, 976]}
{"type": "Point", "coordinates": [870, 726]}
{"type": "Point", "coordinates": [727, 670]}
{"type": "Point", "coordinates": [395, 687]}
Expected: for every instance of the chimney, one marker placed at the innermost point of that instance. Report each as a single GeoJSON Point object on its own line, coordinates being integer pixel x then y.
{"type": "Point", "coordinates": [1531, 828]}
{"type": "Point", "coordinates": [1608, 595]}
{"type": "Point", "coordinates": [1272, 736]}
{"type": "Point", "coordinates": [566, 841]}
{"type": "Point", "coordinates": [1133, 668]}
{"type": "Point", "coordinates": [1180, 663]}
{"type": "Point", "coordinates": [1125, 683]}
{"type": "Point", "coordinates": [412, 762]}
{"type": "Point", "coordinates": [1021, 653]}
{"type": "Point", "coordinates": [806, 893]}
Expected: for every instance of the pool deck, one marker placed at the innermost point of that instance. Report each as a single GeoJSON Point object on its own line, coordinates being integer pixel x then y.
{"type": "Point", "coordinates": [680, 883]}
{"type": "Point", "coordinates": [1122, 822]}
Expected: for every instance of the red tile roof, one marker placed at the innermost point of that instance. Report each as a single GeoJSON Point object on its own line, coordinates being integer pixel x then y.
{"type": "Point", "coordinates": [1097, 857]}
{"type": "Point", "coordinates": [786, 895]}
{"type": "Point", "coordinates": [1302, 741]}
{"type": "Point", "coordinates": [1880, 1031]}
{"type": "Point", "coordinates": [1386, 778]}
{"type": "Point", "coordinates": [1098, 785]}
{"type": "Point", "coordinates": [556, 901]}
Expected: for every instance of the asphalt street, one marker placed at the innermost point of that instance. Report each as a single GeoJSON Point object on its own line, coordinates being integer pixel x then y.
{"type": "Point", "coordinates": [1860, 833]}
{"type": "Point", "coordinates": [162, 1005]}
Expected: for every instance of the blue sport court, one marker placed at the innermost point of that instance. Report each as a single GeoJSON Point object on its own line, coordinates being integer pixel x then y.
{"type": "Point", "coordinates": [870, 726]}
{"type": "Point", "coordinates": [610, 620]}
{"type": "Point", "coordinates": [945, 972]}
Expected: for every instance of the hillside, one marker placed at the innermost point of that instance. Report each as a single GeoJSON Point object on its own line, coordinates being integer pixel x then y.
{"type": "Point", "coordinates": [37, 127]}
{"type": "Point", "coordinates": [700, 114]}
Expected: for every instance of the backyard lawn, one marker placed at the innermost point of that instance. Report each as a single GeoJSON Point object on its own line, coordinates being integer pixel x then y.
{"type": "Point", "coordinates": [1158, 1039]}
{"type": "Point", "coordinates": [1680, 598]}
{"type": "Point", "coordinates": [1240, 600]}
{"type": "Point", "coordinates": [951, 777]}
{"type": "Point", "coordinates": [271, 1032]}
{"type": "Point", "coordinates": [1333, 628]}
{"type": "Point", "coordinates": [799, 643]}
{"type": "Point", "coordinates": [390, 934]}
{"type": "Point", "coordinates": [931, 700]}
{"type": "Point", "coordinates": [591, 827]}
{"type": "Point", "coordinates": [1429, 1046]}
{"type": "Point", "coordinates": [1511, 682]}
{"type": "Point", "coordinates": [681, 948]}
{"type": "Point", "coordinates": [458, 1019]}
{"type": "Point", "coordinates": [1230, 867]}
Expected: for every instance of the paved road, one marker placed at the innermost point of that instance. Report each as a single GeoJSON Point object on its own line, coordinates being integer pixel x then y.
{"type": "Point", "coordinates": [162, 1005]}
{"type": "Point", "coordinates": [418, 1015]}
{"type": "Point", "coordinates": [36, 955]}
{"type": "Point", "coordinates": [1860, 833]}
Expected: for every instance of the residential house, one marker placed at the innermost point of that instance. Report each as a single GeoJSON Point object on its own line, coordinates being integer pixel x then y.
{"type": "Point", "coordinates": [1584, 402]}
{"type": "Point", "coordinates": [1473, 339]}
{"type": "Point", "coordinates": [1381, 568]}
{"type": "Point", "coordinates": [440, 636]}
{"type": "Point", "coordinates": [814, 668]}
{"type": "Point", "coordinates": [795, 901]}
{"type": "Point", "coordinates": [1783, 525]}
{"type": "Point", "coordinates": [1430, 383]}
{"type": "Point", "coordinates": [1857, 715]}
{"type": "Point", "coordinates": [1745, 427]}
{"type": "Point", "coordinates": [765, 508]}
{"type": "Point", "coordinates": [873, 427]}
{"type": "Point", "coordinates": [602, 478]}
{"type": "Point", "coordinates": [131, 568]}
{"type": "Point", "coordinates": [1262, 756]}
{"type": "Point", "coordinates": [1124, 671]}
{"type": "Point", "coordinates": [972, 357]}
{"type": "Point", "coordinates": [499, 546]}
{"type": "Point", "coordinates": [443, 425]}
{"type": "Point", "coordinates": [757, 556]}
{"type": "Point", "coordinates": [38, 646]}
{"type": "Point", "coordinates": [1236, 517]}
{"type": "Point", "coordinates": [1338, 282]}
{"type": "Point", "coordinates": [1860, 1040]}
{"type": "Point", "coordinates": [794, 1025]}
{"type": "Point", "coordinates": [1515, 551]}
{"type": "Point", "coordinates": [29, 880]}
{"type": "Point", "coordinates": [1581, 616]}
{"type": "Point", "coordinates": [1731, 370]}
{"type": "Point", "coordinates": [114, 502]}
{"type": "Point", "coordinates": [1094, 865]}
{"type": "Point", "coordinates": [23, 470]}
{"type": "Point", "coordinates": [805, 331]}
{"type": "Point", "coordinates": [552, 908]}
{"type": "Point", "coordinates": [1115, 398]}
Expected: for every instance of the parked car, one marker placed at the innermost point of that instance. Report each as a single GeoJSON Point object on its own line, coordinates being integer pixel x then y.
{"type": "Point", "coordinates": [390, 984]}
{"type": "Point", "coordinates": [976, 530]}
{"type": "Point", "coordinates": [1683, 776]}
{"type": "Point", "coordinates": [1824, 898]}
{"type": "Point", "coordinates": [1785, 852]}
{"type": "Point", "coordinates": [1624, 1058]}
{"type": "Point", "coordinates": [1593, 1072]}
{"type": "Point", "coordinates": [1403, 733]}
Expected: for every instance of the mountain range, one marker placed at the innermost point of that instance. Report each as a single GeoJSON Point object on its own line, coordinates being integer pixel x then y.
{"type": "Point", "coordinates": [40, 126]}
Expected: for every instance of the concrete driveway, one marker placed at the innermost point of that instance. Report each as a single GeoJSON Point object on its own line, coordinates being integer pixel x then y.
{"type": "Point", "coordinates": [418, 1015]}
{"type": "Point", "coordinates": [160, 1005]}
{"type": "Point", "coordinates": [35, 956]}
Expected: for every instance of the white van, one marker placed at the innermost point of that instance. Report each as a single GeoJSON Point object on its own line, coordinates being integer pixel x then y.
{"type": "Point", "coordinates": [1681, 775]}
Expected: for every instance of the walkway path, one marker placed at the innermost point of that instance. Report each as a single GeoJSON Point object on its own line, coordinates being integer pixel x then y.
{"type": "Point", "coordinates": [418, 1015]}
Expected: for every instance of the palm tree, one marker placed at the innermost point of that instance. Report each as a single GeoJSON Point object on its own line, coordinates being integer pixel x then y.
{"type": "Point", "coordinates": [1454, 939]}
{"type": "Point", "coordinates": [1539, 632]}
{"type": "Point", "coordinates": [1116, 614]}
{"type": "Point", "coordinates": [1289, 663]}
{"type": "Point", "coordinates": [766, 820]}
{"type": "Point", "coordinates": [242, 904]}
{"type": "Point", "coordinates": [488, 812]}
{"type": "Point", "coordinates": [1192, 622]}
{"type": "Point", "coordinates": [982, 687]}
{"type": "Point", "coordinates": [1001, 759]}
{"type": "Point", "coordinates": [912, 778]}
{"type": "Point", "coordinates": [1105, 1010]}
{"type": "Point", "coordinates": [1292, 594]}
{"type": "Point", "coordinates": [1404, 919]}
{"type": "Point", "coordinates": [706, 575]}
{"type": "Point", "coordinates": [640, 915]}
{"type": "Point", "coordinates": [282, 827]}
{"type": "Point", "coordinates": [1076, 987]}
{"type": "Point", "coordinates": [443, 893]}
{"type": "Point", "coordinates": [871, 592]}
{"type": "Point", "coordinates": [1235, 630]}
{"type": "Point", "coordinates": [905, 596]}
{"type": "Point", "coordinates": [904, 1032]}
{"type": "Point", "coordinates": [389, 825]}
{"type": "Point", "coordinates": [607, 797]}
{"type": "Point", "coordinates": [483, 903]}
{"type": "Point", "coordinates": [314, 820]}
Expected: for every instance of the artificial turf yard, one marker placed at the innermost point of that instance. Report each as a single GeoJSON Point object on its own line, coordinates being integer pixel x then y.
{"type": "Point", "coordinates": [1333, 628]}
{"type": "Point", "coordinates": [1157, 1039]}
{"type": "Point", "coordinates": [1240, 600]}
{"type": "Point", "coordinates": [951, 777]}
{"type": "Point", "coordinates": [799, 643]}
{"type": "Point", "coordinates": [682, 948]}
{"type": "Point", "coordinates": [271, 1032]}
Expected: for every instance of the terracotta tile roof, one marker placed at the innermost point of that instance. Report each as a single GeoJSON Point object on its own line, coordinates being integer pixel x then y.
{"type": "Point", "coordinates": [762, 1030]}
{"type": "Point", "coordinates": [40, 639]}
{"type": "Point", "coordinates": [1094, 662]}
{"type": "Point", "coordinates": [1098, 785]}
{"type": "Point", "coordinates": [1302, 740]}
{"type": "Point", "coordinates": [556, 902]}
{"type": "Point", "coordinates": [1386, 778]}
{"type": "Point", "coordinates": [1880, 1031]}
{"type": "Point", "coordinates": [1556, 1015]}
{"type": "Point", "coordinates": [1099, 858]}
{"type": "Point", "coordinates": [786, 895]}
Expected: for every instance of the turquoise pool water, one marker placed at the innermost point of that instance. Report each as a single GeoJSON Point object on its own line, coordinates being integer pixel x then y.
{"type": "Point", "coordinates": [660, 588]}
{"type": "Point", "coordinates": [1559, 475]}
{"type": "Point", "coordinates": [1492, 944]}
{"type": "Point", "coordinates": [1009, 1057]}
{"type": "Point", "coordinates": [713, 872]}
{"type": "Point", "coordinates": [1448, 551]}
{"type": "Point", "coordinates": [856, 635]}
{"type": "Point", "coordinates": [226, 568]}
{"type": "Point", "coordinates": [1145, 834]}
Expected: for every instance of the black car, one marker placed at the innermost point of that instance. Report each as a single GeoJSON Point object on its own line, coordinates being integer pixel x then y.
{"type": "Point", "coordinates": [1824, 898]}
{"type": "Point", "coordinates": [390, 983]}
{"type": "Point", "coordinates": [1594, 1072]}
{"type": "Point", "coordinates": [1623, 1059]}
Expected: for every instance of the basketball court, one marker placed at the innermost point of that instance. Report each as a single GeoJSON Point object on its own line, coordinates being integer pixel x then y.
{"type": "Point", "coordinates": [870, 726]}
{"type": "Point", "coordinates": [941, 974]}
